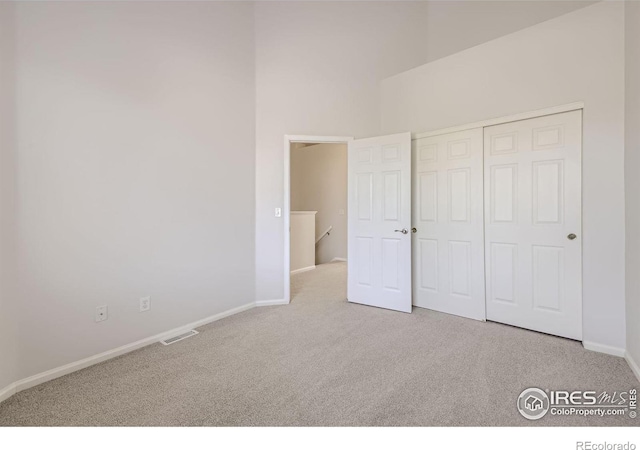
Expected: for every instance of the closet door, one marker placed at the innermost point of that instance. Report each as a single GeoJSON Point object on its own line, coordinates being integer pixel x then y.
{"type": "Point", "coordinates": [448, 244]}
{"type": "Point", "coordinates": [533, 223]}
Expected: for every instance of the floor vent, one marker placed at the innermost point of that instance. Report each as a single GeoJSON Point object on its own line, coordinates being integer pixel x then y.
{"type": "Point", "coordinates": [179, 337]}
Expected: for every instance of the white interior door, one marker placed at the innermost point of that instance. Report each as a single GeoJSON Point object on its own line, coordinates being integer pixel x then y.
{"type": "Point", "coordinates": [379, 237]}
{"type": "Point", "coordinates": [532, 223]}
{"type": "Point", "coordinates": [448, 247]}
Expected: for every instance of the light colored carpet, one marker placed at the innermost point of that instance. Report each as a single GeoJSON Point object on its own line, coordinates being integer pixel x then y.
{"type": "Point", "coordinates": [323, 361]}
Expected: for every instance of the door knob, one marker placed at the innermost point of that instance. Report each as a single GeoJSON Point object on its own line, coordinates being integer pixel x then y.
{"type": "Point", "coordinates": [414, 230]}
{"type": "Point", "coordinates": [403, 231]}
{"type": "Point", "coordinates": [571, 237]}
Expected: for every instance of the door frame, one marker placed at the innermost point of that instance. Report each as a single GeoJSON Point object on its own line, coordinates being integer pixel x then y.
{"type": "Point", "coordinates": [286, 210]}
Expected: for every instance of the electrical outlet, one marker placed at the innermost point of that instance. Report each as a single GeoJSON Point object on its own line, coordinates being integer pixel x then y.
{"type": "Point", "coordinates": [341, 212]}
{"type": "Point", "coordinates": [278, 212]}
{"type": "Point", "coordinates": [101, 313]}
{"type": "Point", "coordinates": [145, 304]}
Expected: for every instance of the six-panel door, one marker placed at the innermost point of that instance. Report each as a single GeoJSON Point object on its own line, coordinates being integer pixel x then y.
{"type": "Point", "coordinates": [379, 220]}
{"type": "Point", "coordinates": [448, 246]}
{"type": "Point", "coordinates": [533, 223]}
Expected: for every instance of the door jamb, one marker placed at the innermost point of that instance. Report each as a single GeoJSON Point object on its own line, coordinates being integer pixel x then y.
{"type": "Point", "coordinates": [286, 210]}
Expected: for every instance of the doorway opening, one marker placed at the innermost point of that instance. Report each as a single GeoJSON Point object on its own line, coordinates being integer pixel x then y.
{"type": "Point", "coordinates": [315, 206]}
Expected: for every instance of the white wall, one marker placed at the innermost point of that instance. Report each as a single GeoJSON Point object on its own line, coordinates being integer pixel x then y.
{"type": "Point", "coordinates": [135, 132]}
{"type": "Point", "coordinates": [632, 178]}
{"type": "Point", "coordinates": [576, 57]}
{"type": "Point", "coordinates": [303, 240]}
{"type": "Point", "coordinates": [332, 55]}
{"type": "Point", "coordinates": [319, 183]}
{"type": "Point", "coordinates": [8, 317]}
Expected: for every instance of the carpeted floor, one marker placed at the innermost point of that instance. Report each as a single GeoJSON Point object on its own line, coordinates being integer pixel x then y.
{"type": "Point", "coordinates": [323, 361]}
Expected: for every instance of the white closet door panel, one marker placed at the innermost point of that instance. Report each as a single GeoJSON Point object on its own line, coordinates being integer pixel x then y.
{"type": "Point", "coordinates": [448, 247]}
{"type": "Point", "coordinates": [532, 206]}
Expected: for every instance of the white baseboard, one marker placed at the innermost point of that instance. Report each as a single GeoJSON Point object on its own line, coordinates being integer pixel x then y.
{"type": "Point", "coordinates": [339, 260]}
{"type": "Point", "coordinates": [304, 269]}
{"type": "Point", "coordinates": [601, 348]}
{"type": "Point", "coordinates": [207, 320]}
{"type": "Point", "coordinates": [279, 301]}
{"type": "Point", "coordinates": [43, 377]}
{"type": "Point", "coordinates": [7, 392]}
{"type": "Point", "coordinates": [635, 368]}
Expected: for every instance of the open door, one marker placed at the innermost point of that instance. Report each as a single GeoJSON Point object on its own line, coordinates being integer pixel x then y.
{"type": "Point", "coordinates": [379, 219]}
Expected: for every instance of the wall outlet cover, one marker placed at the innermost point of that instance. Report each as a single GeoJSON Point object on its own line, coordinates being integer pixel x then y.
{"type": "Point", "coordinates": [145, 304]}
{"type": "Point", "coordinates": [102, 313]}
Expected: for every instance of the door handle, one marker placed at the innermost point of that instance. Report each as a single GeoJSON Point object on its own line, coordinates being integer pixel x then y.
{"type": "Point", "coordinates": [571, 237]}
{"type": "Point", "coordinates": [414, 230]}
{"type": "Point", "coordinates": [403, 231]}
